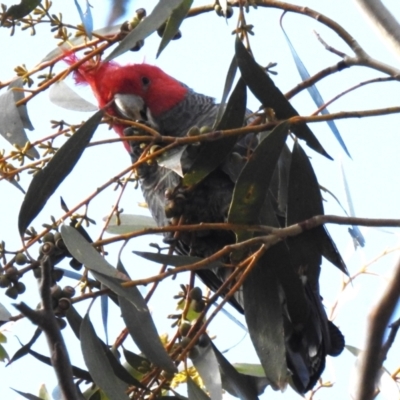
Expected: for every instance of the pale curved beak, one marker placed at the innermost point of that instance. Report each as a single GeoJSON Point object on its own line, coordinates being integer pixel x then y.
{"type": "Point", "coordinates": [131, 106]}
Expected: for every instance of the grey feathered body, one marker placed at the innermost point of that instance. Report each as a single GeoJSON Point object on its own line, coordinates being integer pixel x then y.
{"type": "Point", "coordinates": [209, 201]}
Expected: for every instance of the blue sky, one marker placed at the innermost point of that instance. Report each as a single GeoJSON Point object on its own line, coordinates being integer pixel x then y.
{"type": "Point", "coordinates": [201, 59]}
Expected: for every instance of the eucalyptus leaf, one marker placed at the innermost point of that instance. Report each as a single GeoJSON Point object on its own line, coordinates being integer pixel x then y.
{"type": "Point", "coordinates": [172, 160]}
{"type": "Point", "coordinates": [75, 41]}
{"type": "Point", "coordinates": [176, 261]}
{"type": "Point", "coordinates": [22, 9]}
{"type": "Point", "coordinates": [206, 365]}
{"type": "Point", "coordinates": [47, 180]}
{"type": "Point", "coordinates": [313, 91]}
{"type": "Point", "coordinates": [270, 96]}
{"type": "Point", "coordinates": [254, 180]}
{"type": "Point", "coordinates": [194, 392]}
{"type": "Point", "coordinates": [13, 120]}
{"type": "Point", "coordinates": [233, 381]}
{"type": "Point", "coordinates": [138, 320]}
{"type": "Point", "coordinates": [28, 396]}
{"type": "Point", "coordinates": [63, 96]}
{"type": "Point", "coordinates": [84, 252]}
{"type": "Point", "coordinates": [86, 17]}
{"type": "Point", "coordinates": [162, 11]}
{"type": "Point", "coordinates": [173, 24]}
{"type": "Point", "coordinates": [212, 154]}
{"type": "Point", "coordinates": [98, 363]}
{"type": "Point", "coordinates": [4, 313]}
{"type": "Point", "coordinates": [264, 317]}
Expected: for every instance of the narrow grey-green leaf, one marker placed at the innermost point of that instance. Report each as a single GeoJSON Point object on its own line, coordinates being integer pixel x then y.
{"type": "Point", "coordinates": [86, 18]}
{"type": "Point", "coordinates": [144, 333]}
{"type": "Point", "coordinates": [194, 392]}
{"type": "Point", "coordinates": [239, 384]}
{"type": "Point", "coordinates": [176, 261]}
{"type": "Point", "coordinates": [206, 365]}
{"type": "Point", "coordinates": [134, 360]}
{"type": "Point", "coordinates": [173, 24]}
{"type": "Point", "coordinates": [22, 9]}
{"type": "Point", "coordinates": [138, 320]}
{"type": "Point", "coordinates": [58, 51]}
{"type": "Point", "coordinates": [12, 121]}
{"type": "Point", "coordinates": [172, 160]}
{"type": "Point", "coordinates": [28, 396]}
{"type": "Point", "coordinates": [84, 252]}
{"type": "Point", "coordinates": [63, 96]}
{"type": "Point", "coordinates": [354, 231]}
{"type": "Point", "coordinates": [314, 93]}
{"type": "Point", "coordinates": [263, 87]}
{"type": "Point", "coordinates": [4, 313]}
{"type": "Point", "coordinates": [353, 350]}
{"type": "Point", "coordinates": [23, 110]}
{"type": "Point", "coordinates": [98, 363]}
{"type": "Point", "coordinates": [47, 180]}
{"type": "Point", "coordinates": [304, 202]}
{"type": "Point", "coordinates": [250, 369]}
{"type": "Point", "coordinates": [264, 317]}
{"type": "Point", "coordinates": [77, 372]}
{"type": "Point", "coordinates": [150, 24]}
{"type": "Point", "coordinates": [230, 77]}
{"type": "Point", "coordinates": [127, 223]}
{"type": "Point", "coordinates": [252, 185]}
{"type": "Point", "coordinates": [212, 154]}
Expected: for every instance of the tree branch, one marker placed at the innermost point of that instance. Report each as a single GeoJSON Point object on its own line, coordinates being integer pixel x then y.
{"type": "Point", "coordinates": [371, 359]}
{"type": "Point", "coordinates": [383, 20]}
{"type": "Point", "coordinates": [46, 320]}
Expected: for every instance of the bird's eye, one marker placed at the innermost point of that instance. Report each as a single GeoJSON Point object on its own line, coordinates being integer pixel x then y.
{"type": "Point", "coordinates": [145, 81]}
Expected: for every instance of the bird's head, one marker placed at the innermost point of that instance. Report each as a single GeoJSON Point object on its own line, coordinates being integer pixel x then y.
{"type": "Point", "coordinates": [138, 90]}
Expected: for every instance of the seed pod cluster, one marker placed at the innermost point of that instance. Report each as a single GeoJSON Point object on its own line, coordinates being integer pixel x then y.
{"type": "Point", "coordinates": [9, 280]}
{"type": "Point", "coordinates": [131, 24]}
{"type": "Point", "coordinates": [61, 298]}
{"type": "Point", "coordinates": [221, 13]}
{"type": "Point", "coordinates": [161, 29]}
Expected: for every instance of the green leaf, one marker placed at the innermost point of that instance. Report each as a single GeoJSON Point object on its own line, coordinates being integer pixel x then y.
{"type": "Point", "coordinates": [250, 369]}
{"type": "Point", "coordinates": [28, 396]}
{"type": "Point", "coordinates": [4, 313]}
{"type": "Point", "coordinates": [21, 10]}
{"type": "Point", "coordinates": [173, 24]}
{"type": "Point", "coordinates": [133, 307]}
{"type": "Point", "coordinates": [194, 392]}
{"type": "Point", "coordinates": [207, 366]}
{"type": "Point", "coordinates": [138, 320]}
{"type": "Point", "coordinates": [234, 381]}
{"type": "Point", "coordinates": [313, 91]}
{"type": "Point", "coordinates": [304, 202]}
{"type": "Point", "coordinates": [63, 96]}
{"type": "Point", "coordinates": [14, 119]}
{"type": "Point", "coordinates": [263, 87]}
{"type": "Point", "coordinates": [252, 185]}
{"type": "Point", "coordinates": [162, 11]}
{"type": "Point", "coordinates": [136, 361]}
{"type": "Point", "coordinates": [353, 350]}
{"type": "Point", "coordinates": [230, 77]}
{"type": "Point", "coordinates": [176, 261]}
{"type": "Point", "coordinates": [98, 363]}
{"type": "Point", "coordinates": [264, 317]}
{"type": "Point", "coordinates": [77, 372]}
{"type": "Point", "coordinates": [84, 252]}
{"type": "Point", "coordinates": [212, 154]}
{"type": "Point", "coordinates": [24, 350]}
{"type": "Point", "coordinates": [3, 354]}
{"type": "Point", "coordinates": [47, 180]}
